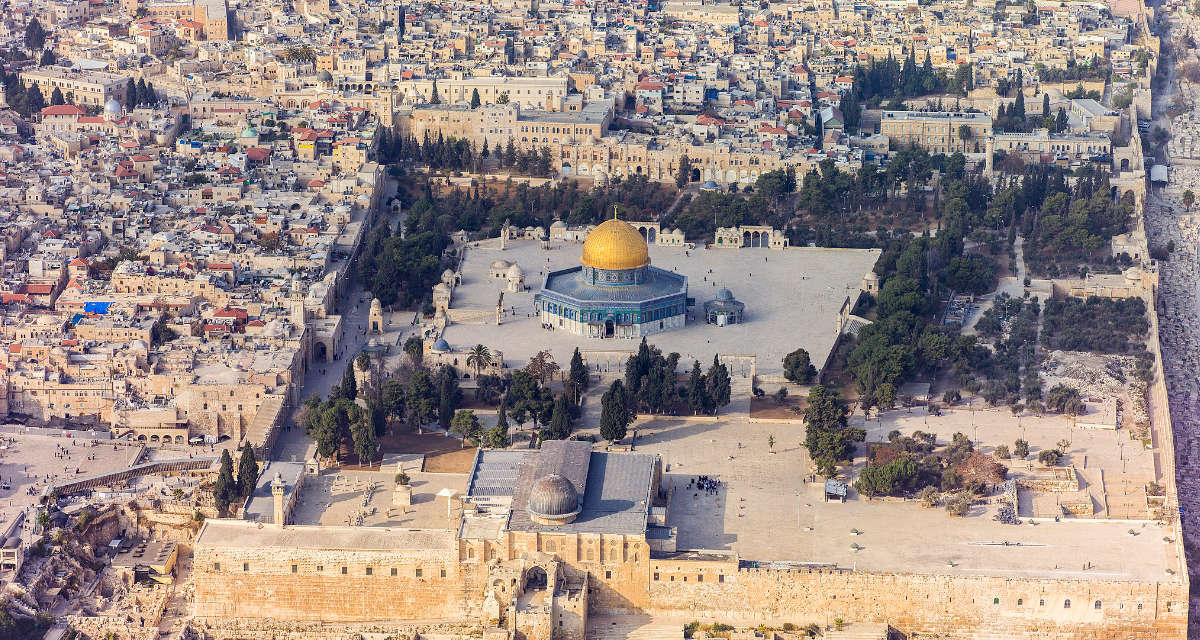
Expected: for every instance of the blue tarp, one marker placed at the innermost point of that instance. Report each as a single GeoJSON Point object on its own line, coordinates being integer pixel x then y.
{"type": "Point", "coordinates": [96, 307]}
{"type": "Point", "coordinates": [75, 320]}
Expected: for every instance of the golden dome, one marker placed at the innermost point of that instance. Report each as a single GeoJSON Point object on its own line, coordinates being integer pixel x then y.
{"type": "Point", "coordinates": [615, 245]}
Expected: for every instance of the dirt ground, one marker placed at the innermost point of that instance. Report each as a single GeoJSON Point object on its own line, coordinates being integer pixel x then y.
{"type": "Point", "coordinates": [442, 454]}
{"type": "Point", "coordinates": [768, 408]}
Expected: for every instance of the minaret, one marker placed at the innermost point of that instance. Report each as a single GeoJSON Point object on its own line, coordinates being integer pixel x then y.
{"type": "Point", "coordinates": [277, 487]}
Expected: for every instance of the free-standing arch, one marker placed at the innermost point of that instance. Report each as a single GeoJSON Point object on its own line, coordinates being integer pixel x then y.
{"type": "Point", "coordinates": [535, 579]}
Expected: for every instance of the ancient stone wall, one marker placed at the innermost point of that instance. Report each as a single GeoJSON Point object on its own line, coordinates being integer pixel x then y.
{"type": "Point", "coordinates": [1015, 607]}
{"type": "Point", "coordinates": [337, 585]}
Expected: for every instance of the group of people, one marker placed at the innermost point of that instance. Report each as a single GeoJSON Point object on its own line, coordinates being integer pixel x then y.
{"type": "Point", "coordinates": [704, 483]}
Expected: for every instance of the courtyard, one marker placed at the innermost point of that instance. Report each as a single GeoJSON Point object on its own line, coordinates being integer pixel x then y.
{"type": "Point", "coordinates": [766, 509]}
{"type": "Point", "coordinates": [792, 300]}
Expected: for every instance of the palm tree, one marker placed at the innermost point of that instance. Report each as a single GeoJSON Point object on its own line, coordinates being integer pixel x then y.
{"type": "Point", "coordinates": [478, 358]}
{"type": "Point", "coordinates": [964, 134]}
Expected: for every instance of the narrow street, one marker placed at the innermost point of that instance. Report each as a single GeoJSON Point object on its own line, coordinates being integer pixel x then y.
{"type": "Point", "coordinates": [293, 444]}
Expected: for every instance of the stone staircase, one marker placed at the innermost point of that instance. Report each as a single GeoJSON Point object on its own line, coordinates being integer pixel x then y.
{"type": "Point", "coordinates": [633, 628]}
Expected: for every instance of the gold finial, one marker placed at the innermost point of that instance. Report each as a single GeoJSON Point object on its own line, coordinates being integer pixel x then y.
{"type": "Point", "coordinates": [614, 211]}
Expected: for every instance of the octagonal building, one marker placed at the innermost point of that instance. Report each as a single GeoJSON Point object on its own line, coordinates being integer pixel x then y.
{"type": "Point", "coordinates": [614, 293]}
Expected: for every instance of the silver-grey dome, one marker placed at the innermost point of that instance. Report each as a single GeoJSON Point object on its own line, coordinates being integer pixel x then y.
{"type": "Point", "coordinates": [553, 500]}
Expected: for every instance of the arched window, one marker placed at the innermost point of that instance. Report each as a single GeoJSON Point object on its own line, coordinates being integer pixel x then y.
{"type": "Point", "coordinates": [1097, 604]}
{"type": "Point", "coordinates": [1066, 604]}
{"type": "Point", "coordinates": [1020, 601]}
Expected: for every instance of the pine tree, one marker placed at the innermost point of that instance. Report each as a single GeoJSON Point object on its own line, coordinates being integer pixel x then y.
{"type": "Point", "coordinates": [131, 94]}
{"type": "Point", "coordinates": [1019, 105]}
{"type": "Point", "coordinates": [48, 58]}
{"type": "Point", "coordinates": [349, 386]}
{"type": "Point", "coordinates": [615, 414]}
{"type": "Point", "coordinates": [402, 18]}
{"type": "Point", "coordinates": [247, 472]}
{"type": "Point", "coordinates": [475, 102]}
{"type": "Point", "coordinates": [684, 175]}
{"type": "Point", "coordinates": [484, 152]}
{"type": "Point", "coordinates": [225, 488]}
{"type": "Point", "coordinates": [1045, 105]}
{"type": "Point", "coordinates": [57, 97]}
{"type": "Point", "coordinates": [436, 99]}
{"type": "Point", "coordinates": [151, 94]}
{"type": "Point", "coordinates": [141, 92]}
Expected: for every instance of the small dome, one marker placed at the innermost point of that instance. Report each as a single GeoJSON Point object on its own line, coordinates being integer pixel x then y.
{"type": "Point", "coordinates": [441, 345]}
{"type": "Point", "coordinates": [724, 295]}
{"type": "Point", "coordinates": [112, 107]}
{"type": "Point", "coordinates": [249, 131]}
{"type": "Point", "coordinates": [709, 185]}
{"type": "Point", "coordinates": [615, 245]}
{"type": "Point", "coordinates": [515, 272]}
{"type": "Point", "coordinates": [139, 345]}
{"type": "Point", "coordinates": [553, 500]}
{"type": "Point", "coordinates": [501, 265]}
{"type": "Point", "coordinates": [324, 76]}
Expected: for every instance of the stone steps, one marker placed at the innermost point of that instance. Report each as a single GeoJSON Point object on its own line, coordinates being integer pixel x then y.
{"type": "Point", "coordinates": [859, 631]}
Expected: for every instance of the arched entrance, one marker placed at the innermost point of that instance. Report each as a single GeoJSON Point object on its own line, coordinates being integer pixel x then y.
{"type": "Point", "coordinates": [320, 352]}
{"type": "Point", "coordinates": [535, 578]}
{"type": "Point", "coordinates": [695, 174]}
{"type": "Point", "coordinates": [650, 234]}
{"type": "Point", "coordinates": [609, 328]}
{"type": "Point", "coordinates": [745, 238]}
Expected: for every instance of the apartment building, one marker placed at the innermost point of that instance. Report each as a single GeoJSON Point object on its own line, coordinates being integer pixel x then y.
{"type": "Point", "coordinates": [93, 88]}
{"type": "Point", "coordinates": [937, 131]}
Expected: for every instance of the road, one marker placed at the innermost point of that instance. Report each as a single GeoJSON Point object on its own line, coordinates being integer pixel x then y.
{"type": "Point", "coordinates": [1178, 308]}
{"type": "Point", "coordinates": [354, 305]}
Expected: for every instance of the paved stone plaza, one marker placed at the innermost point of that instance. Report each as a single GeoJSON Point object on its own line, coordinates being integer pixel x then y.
{"type": "Point", "coordinates": [766, 511]}
{"type": "Point", "coordinates": [336, 498]}
{"type": "Point", "coordinates": [792, 299]}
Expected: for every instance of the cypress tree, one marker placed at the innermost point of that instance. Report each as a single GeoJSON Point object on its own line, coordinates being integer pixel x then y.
{"type": "Point", "coordinates": [560, 419]}
{"type": "Point", "coordinates": [225, 487]}
{"type": "Point", "coordinates": [615, 415]}
{"type": "Point", "coordinates": [57, 97]}
{"type": "Point", "coordinates": [718, 384]}
{"type": "Point", "coordinates": [247, 472]}
{"type": "Point", "coordinates": [475, 102]}
{"type": "Point", "coordinates": [695, 389]}
{"type": "Point", "coordinates": [349, 385]}
{"type": "Point", "coordinates": [578, 375]}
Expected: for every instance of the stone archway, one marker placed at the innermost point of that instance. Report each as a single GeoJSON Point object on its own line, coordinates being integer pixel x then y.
{"type": "Point", "coordinates": [320, 352]}
{"type": "Point", "coordinates": [609, 328]}
{"type": "Point", "coordinates": [535, 579]}
{"type": "Point", "coordinates": [650, 235]}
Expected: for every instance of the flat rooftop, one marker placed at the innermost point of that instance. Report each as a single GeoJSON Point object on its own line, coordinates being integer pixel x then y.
{"type": "Point", "coordinates": [238, 533]}
{"type": "Point", "coordinates": [792, 299]}
{"type": "Point", "coordinates": [340, 498]}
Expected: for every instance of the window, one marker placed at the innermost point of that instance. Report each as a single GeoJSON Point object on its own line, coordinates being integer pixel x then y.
{"type": "Point", "coordinates": [419, 573]}
{"type": "Point", "coordinates": [608, 575]}
{"type": "Point", "coordinates": [345, 570]}
{"type": "Point", "coordinates": [721, 578]}
{"type": "Point", "coordinates": [217, 567]}
{"type": "Point", "coordinates": [320, 568]}
{"type": "Point", "coordinates": [1020, 601]}
{"type": "Point", "coordinates": [1042, 603]}
{"type": "Point", "coordinates": [295, 569]}
{"type": "Point", "coordinates": [393, 572]}
{"type": "Point", "coordinates": [700, 578]}
{"type": "Point", "coordinates": [1066, 604]}
{"type": "Point", "coordinates": [245, 566]}
{"type": "Point", "coordinates": [995, 600]}
{"type": "Point", "coordinates": [370, 571]}
{"type": "Point", "coordinates": [1097, 604]}
{"type": "Point", "coordinates": [656, 576]}
{"type": "Point", "coordinates": [1139, 606]}
{"type": "Point", "coordinates": [442, 573]}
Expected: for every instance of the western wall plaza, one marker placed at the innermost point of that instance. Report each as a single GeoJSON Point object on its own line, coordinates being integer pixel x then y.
{"type": "Point", "coordinates": [599, 320]}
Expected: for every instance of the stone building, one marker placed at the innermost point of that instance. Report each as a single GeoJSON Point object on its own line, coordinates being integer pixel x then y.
{"type": "Point", "coordinates": [615, 292]}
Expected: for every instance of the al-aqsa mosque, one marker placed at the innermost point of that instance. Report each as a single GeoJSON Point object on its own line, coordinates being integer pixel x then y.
{"type": "Point", "coordinates": [615, 292]}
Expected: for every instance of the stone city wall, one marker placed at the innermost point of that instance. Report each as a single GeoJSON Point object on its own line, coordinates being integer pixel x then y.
{"type": "Point", "coordinates": [916, 604]}
{"type": "Point", "coordinates": [337, 585]}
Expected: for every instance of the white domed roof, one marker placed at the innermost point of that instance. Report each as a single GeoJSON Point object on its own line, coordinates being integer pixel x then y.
{"type": "Point", "coordinates": [515, 272]}
{"type": "Point", "coordinates": [112, 107]}
{"type": "Point", "coordinates": [501, 264]}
